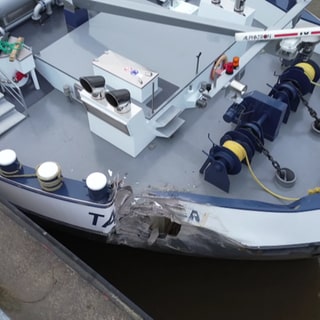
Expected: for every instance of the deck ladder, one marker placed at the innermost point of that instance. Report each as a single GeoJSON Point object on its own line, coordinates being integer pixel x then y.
{"type": "Point", "coordinates": [9, 115]}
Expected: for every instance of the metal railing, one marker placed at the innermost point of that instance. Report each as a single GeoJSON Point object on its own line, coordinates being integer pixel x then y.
{"type": "Point", "coordinates": [9, 87]}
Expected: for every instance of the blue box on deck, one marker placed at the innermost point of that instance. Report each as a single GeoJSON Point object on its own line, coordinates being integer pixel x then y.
{"type": "Point", "coordinates": [74, 18]}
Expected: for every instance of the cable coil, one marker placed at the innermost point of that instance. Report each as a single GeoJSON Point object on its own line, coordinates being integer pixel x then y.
{"type": "Point", "coordinates": [241, 154]}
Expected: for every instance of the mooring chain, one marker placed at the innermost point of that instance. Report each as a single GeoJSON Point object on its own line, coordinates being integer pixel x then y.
{"type": "Point", "coordinates": [267, 153]}
{"type": "Point", "coordinates": [312, 112]}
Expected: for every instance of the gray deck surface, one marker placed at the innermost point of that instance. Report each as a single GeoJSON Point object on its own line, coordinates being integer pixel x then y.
{"type": "Point", "coordinates": [58, 130]}
{"type": "Point", "coordinates": [40, 280]}
{"type": "Point", "coordinates": [144, 42]}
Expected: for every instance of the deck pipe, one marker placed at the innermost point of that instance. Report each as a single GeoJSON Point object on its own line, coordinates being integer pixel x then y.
{"type": "Point", "coordinates": [44, 5]}
{"type": "Point", "coordinates": [94, 85]}
{"type": "Point", "coordinates": [119, 99]}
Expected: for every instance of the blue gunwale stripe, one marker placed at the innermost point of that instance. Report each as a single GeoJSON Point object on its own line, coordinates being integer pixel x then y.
{"type": "Point", "coordinates": [71, 191]}
{"type": "Point", "coordinates": [307, 203]}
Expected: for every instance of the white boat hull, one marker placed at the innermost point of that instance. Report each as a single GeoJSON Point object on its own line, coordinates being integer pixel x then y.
{"type": "Point", "coordinates": [91, 217]}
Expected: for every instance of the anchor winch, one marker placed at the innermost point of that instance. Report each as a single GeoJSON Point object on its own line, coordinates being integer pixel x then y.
{"type": "Point", "coordinates": [257, 117]}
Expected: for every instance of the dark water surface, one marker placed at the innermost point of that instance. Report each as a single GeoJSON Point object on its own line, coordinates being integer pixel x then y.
{"type": "Point", "coordinates": [179, 287]}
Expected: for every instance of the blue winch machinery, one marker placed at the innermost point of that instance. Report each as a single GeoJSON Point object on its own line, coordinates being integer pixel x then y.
{"type": "Point", "coordinates": [257, 117]}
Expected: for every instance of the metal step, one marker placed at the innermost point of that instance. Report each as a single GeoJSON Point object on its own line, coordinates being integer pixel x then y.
{"type": "Point", "coordinates": [167, 116]}
{"type": "Point", "coordinates": [10, 119]}
{"type": "Point", "coordinates": [5, 106]}
{"type": "Point", "coordinates": [170, 128]}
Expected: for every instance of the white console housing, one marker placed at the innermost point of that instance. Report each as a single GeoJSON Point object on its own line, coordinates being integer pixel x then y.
{"type": "Point", "coordinates": [121, 72]}
{"type": "Point", "coordinates": [127, 131]}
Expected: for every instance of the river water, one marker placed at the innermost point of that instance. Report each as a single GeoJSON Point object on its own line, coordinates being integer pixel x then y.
{"type": "Point", "coordinates": [178, 287]}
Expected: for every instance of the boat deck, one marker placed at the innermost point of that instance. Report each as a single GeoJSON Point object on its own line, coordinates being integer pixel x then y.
{"type": "Point", "coordinates": [58, 129]}
{"type": "Point", "coordinates": [40, 279]}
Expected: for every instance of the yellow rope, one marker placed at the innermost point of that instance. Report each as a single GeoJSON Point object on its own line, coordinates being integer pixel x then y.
{"type": "Point", "coordinates": [314, 190]}
{"type": "Point", "coordinates": [236, 148]}
{"type": "Point", "coordinates": [276, 195]}
{"type": "Point", "coordinates": [308, 69]}
{"type": "Point", "coordinates": [241, 154]}
{"type": "Point", "coordinates": [49, 186]}
{"type": "Point", "coordinates": [315, 83]}
{"type": "Point", "coordinates": [15, 174]}
{"type": "Point", "coordinates": [8, 175]}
